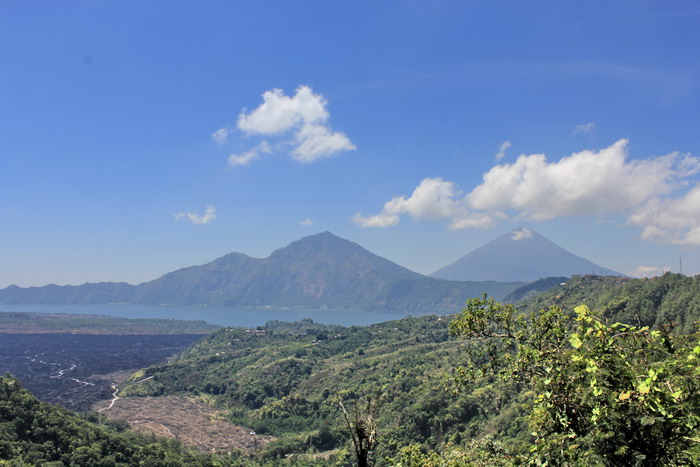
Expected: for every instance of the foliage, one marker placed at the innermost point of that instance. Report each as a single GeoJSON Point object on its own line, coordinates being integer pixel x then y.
{"type": "Point", "coordinates": [36, 433]}
{"type": "Point", "coordinates": [281, 378]}
{"type": "Point", "coordinates": [617, 394]}
{"type": "Point", "coordinates": [283, 382]}
{"type": "Point", "coordinates": [671, 298]}
{"type": "Point", "coordinates": [477, 453]}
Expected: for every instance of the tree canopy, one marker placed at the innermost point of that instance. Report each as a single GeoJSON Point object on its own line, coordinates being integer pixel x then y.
{"type": "Point", "coordinates": [616, 394]}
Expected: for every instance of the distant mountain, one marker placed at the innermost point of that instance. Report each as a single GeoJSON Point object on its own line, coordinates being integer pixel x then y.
{"type": "Point", "coordinates": [520, 255]}
{"type": "Point", "coordinates": [318, 271]}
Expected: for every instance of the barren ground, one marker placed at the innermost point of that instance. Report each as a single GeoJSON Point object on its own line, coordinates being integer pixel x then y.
{"type": "Point", "coordinates": [191, 421]}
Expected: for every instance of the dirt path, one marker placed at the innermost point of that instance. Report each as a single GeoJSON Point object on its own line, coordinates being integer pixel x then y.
{"type": "Point", "coordinates": [114, 399]}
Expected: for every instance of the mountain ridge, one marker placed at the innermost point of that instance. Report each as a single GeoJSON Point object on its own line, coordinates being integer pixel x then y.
{"type": "Point", "coordinates": [318, 271]}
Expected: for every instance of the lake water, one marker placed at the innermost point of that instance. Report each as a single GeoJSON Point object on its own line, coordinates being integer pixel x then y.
{"type": "Point", "coordinates": [225, 316]}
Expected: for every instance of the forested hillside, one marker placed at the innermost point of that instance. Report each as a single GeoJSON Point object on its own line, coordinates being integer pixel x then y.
{"type": "Point", "coordinates": [671, 299]}
{"type": "Point", "coordinates": [36, 433]}
{"type": "Point", "coordinates": [285, 379]}
{"type": "Point", "coordinates": [411, 379]}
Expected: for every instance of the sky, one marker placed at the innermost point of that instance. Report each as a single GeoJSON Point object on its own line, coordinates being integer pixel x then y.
{"type": "Point", "coordinates": [137, 137]}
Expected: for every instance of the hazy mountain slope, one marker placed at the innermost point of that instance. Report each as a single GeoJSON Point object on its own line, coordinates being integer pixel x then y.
{"type": "Point", "coordinates": [321, 270]}
{"type": "Point", "coordinates": [316, 271]}
{"type": "Point", "coordinates": [520, 255]}
{"type": "Point", "coordinates": [102, 292]}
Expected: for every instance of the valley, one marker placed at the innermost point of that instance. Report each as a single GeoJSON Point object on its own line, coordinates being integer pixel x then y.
{"type": "Point", "coordinates": [287, 381]}
{"type": "Point", "coordinates": [75, 360]}
{"type": "Point", "coordinates": [284, 381]}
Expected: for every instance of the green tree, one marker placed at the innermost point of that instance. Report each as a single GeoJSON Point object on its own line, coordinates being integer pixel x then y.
{"type": "Point", "coordinates": [614, 394]}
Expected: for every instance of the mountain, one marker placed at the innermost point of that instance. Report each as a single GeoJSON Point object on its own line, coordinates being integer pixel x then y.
{"type": "Point", "coordinates": [318, 271]}
{"type": "Point", "coordinates": [520, 255]}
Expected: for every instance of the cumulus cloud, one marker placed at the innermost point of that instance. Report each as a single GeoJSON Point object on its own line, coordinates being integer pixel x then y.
{"type": "Point", "coordinates": [209, 215]}
{"type": "Point", "coordinates": [648, 271]}
{"type": "Point", "coordinates": [303, 116]}
{"type": "Point", "coordinates": [671, 220]}
{"type": "Point", "coordinates": [502, 150]}
{"type": "Point", "coordinates": [306, 222]}
{"type": "Point", "coordinates": [584, 183]}
{"type": "Point", "coordinates": [249, 156]}
{"type": "Point", "coordinates": [220, 135]}
{"type": "Point", "coordinates": [432, 200]}
{"type": "Point", "coordinates": [315, 141]}
{"type": "Point", "coordinates": [583, 129]}
{"type": "Point", "coordinates": [651, 193]}
{"type": "Point", "coordinates": [279, 113]}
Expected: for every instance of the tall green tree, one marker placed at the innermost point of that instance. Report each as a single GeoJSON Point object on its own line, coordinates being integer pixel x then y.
{"type": "Point", "coordinates": [605, 393]}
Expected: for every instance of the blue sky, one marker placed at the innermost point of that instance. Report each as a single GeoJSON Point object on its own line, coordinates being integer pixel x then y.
{"type": "Point", "coordinates": [140, 137]}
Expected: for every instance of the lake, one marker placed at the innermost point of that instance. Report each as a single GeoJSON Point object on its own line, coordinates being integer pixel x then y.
{"type": "Point", "coordinates": [225, 316]}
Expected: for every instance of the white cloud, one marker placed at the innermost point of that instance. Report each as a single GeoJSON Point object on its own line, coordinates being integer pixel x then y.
{"type": "Point", "coordinates": [671, 220]}
{"type": "Point", "coordinates": [502, 150]}
{"type": "Point", "coordinates": [648, 271]}
{"type": "Point", "coordinates": [651, 193]}
{"type": "Point", "coordinates": [380, 220]}
{"type": "Point", "coordinates": [432, 200]}
{"type": "Point", "coordinates": [521, 234]}
{"type": "Point", "coordinates": [314, 141]}
{"type": "Point", "coordinates": [209, 215]}
{"type": "Point", "coordinates": [279, 113]}
{"type": "Point", "coordinates": [583, 129]}
{"type": "Point", "coordinates": [306, 222]}
{"type": "Point", "coordinates": [583, 183]}
{"type": "Point", "coordinates": [220, 136]}
{"type": "Point", "coordinates": [304, 115]}
{"type": "Point", "coordinates": [249, 156]}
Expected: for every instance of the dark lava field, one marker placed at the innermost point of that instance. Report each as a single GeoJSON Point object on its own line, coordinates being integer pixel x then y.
{"type": "Point", "coordinates": [75, 370]}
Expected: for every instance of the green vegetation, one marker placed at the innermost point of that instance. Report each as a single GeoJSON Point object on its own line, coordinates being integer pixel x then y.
{"type": "Point", "coordinates": [285, 379]}
{"type": "Point", "coordinates": [36, 323]}
{"type": "Point", "coordinates": [671, 298]}
{"type": "Point", "coordinates": [613, 394]}
{"type": "Point", "coordinates": [550, 381]}
{"type": "Point", "coordinates": [36, 433]}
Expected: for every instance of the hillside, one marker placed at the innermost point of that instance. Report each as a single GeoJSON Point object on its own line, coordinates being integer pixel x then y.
{"type": "Point", "coordinates": [319, 271]}
{"type": "Point", "coordinates": [520, 255]}
{"type": "Point", "coordinates": [285, 381]}
{"type": "Point", "coordinates": [36, 433]}
{"type": "Point", "coordinates": [669, 299]}
{"type": "Point", "coordinates": [285, 378]}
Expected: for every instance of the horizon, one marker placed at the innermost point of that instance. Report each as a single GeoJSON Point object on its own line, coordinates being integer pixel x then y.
{"type": "Point", "coordinates": [141, 138]}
